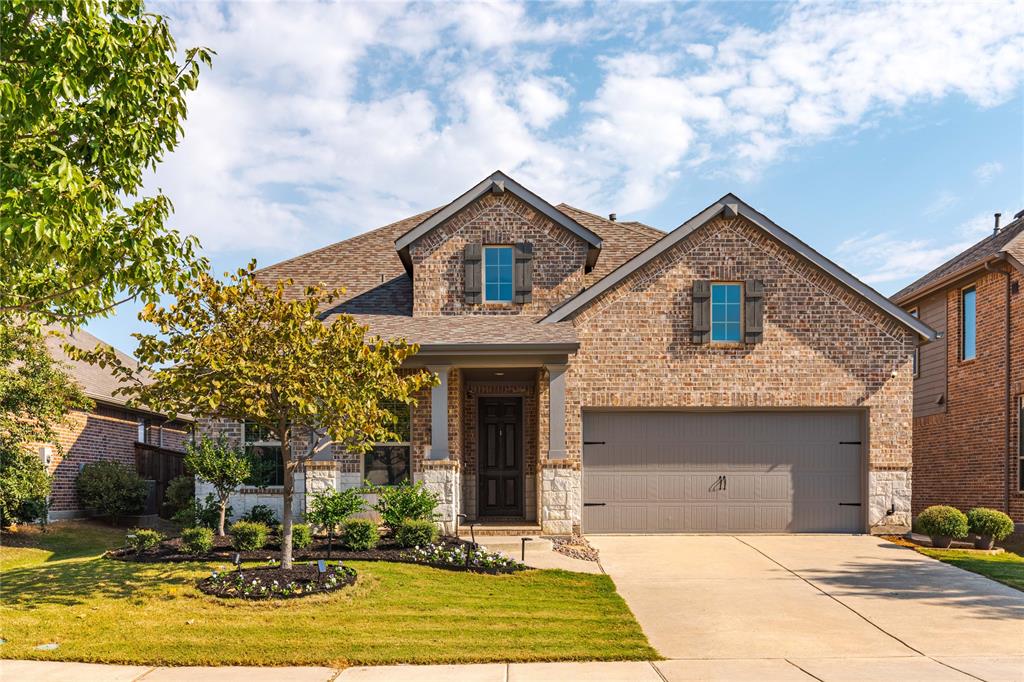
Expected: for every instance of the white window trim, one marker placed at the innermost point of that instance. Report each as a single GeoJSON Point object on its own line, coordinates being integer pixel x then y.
{"type": "Point", "coordinates": [711, 312]}
{"type": "Point", "coordinates": [963, 319]}
{"type": "Point", "coordinates": [483, 277]}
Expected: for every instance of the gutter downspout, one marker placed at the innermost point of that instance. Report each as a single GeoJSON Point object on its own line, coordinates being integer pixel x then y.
{"type": "Point", "coordinates": [1006, 384]}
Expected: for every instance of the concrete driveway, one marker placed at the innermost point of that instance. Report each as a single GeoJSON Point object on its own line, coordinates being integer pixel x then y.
{"type": "Point", "coordinates": [835, 606]}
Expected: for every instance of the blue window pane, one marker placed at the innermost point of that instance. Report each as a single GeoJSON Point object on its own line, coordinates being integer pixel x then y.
{"type": "Point", "coordinates": [498, 273]}
{"type": "Point", "coordinates": [726, 307]}
{"type": "Point", "coordinates": [969, 325]}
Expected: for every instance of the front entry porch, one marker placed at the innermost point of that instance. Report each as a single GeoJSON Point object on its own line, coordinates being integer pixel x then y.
{"type": "Point", "coordinates": [496, 433]}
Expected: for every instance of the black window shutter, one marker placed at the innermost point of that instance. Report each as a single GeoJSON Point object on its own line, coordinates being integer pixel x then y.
{"type": "Point", "coordinates": [523, 274]}
{"type": "Point", "coordinates": [471, 263]}
{"type": "Point", "coordinates": [701, 311]}
{"type": "Point", "coordinates": [753, 310]}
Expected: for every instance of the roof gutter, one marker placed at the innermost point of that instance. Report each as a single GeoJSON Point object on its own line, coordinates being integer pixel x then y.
{"type": "Point", "coordinates": [470, 348]}
{"type": "Point", "coordinates": [949, 279]}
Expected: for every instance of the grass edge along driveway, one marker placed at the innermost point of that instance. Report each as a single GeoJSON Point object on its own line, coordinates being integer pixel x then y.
{"type": "Point", "coordinates": [56, 588]}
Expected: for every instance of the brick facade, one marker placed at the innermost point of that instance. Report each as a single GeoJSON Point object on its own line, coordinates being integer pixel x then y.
{"type": "Point", "coordinates": [960, 452]}
{"type": "Point", "coordinates": [103, 433]}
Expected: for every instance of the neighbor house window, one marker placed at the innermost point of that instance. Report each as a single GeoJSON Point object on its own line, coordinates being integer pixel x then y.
{"type": "Point", "coordinates": [390, 463]}
{"type": "Point", "coordinates": [726, 312]}
{"type": "Point", "coordinates": [968, 324]}
{"type": "Point", "coordinates": [498, 274]}
{"type": "Point", "coordinates": [914, 312]}
{"type": "Point", "coordinates": [1020, 444]}
{"type": "Point", "coordinates": [264, 452]}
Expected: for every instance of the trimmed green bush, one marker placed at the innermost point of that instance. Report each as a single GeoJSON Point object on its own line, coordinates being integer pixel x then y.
{"type": "Point", "coordinates": [942, 521]}
{"type": "Point", "coordinates": [261, 513]}
{"type": "Point", "coordinates": [248, 536]}
{"type": "Point", "coordinates": [397, 503]}
{"type": "Point", "coordinates": [416, 533]}
{"type": "Point", "coordinates": [302, 536]}
{"type": "Point", "coordinates": [360, 534]}
{"type": "Point", "coordinates": [180, 496]}
{"type": "Point", "coordinates": [198, 540]}
{"type": "Point", "coordinates": [142, 539]}
{"type": "Point", "coordinates": [989, 523]}
{"type": "Point", "coordinates": [112, 489]}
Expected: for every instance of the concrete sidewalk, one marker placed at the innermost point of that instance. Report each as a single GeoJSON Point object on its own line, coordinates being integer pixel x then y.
{"type": "Point", "coordinates": [903, 668]}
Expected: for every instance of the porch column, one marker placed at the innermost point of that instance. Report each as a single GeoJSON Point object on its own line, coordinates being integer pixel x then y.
{"type": "Point", "coordinates": [556, 411]}
{"type": "Point", "coordinates": [439, 414]}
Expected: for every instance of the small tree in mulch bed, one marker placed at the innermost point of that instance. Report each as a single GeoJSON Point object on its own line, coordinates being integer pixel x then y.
{"type": "Point", "coordinates": [220, 465]}
{"type": "Point", "coordinates": [330, 509]}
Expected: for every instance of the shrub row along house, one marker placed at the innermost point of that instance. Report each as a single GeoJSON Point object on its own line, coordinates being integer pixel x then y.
{"type": "Point", "coordinates": [110, 431]}
{"type": "Point", "coordinates": [969, 384]}
{"type": "Point", "coordinates": [606, 376]}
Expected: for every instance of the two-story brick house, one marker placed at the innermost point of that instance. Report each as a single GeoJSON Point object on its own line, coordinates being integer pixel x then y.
{"type": "Point", "coordinates": [610, 377]}
{"type": "Point", "coordinates": [969, 384]}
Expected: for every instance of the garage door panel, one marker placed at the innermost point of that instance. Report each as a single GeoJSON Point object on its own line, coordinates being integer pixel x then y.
{"type": "Point", "coordinates": [662, 471]}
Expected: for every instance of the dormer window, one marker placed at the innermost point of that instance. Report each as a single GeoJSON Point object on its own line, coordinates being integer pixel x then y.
{"type": "Point", "coordinates": [498, 274]}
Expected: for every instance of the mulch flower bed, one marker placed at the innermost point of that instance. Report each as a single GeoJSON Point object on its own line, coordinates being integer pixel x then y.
{"type": "Point", "coordinates": [276, 583]}
{"type": "Point", "coordinates": [575, 547]}
{"type": "Point", "coordinates": [449, 552]}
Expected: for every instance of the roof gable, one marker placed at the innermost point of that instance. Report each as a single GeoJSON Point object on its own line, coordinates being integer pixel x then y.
{"type": "Point", "coordinates": [498, 182]}
{"type": "Point", "coordinates": [732, 205]}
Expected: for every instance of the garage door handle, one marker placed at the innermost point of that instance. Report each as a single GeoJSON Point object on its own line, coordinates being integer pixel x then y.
{"type": "Point", "coordinates": [849, 504]}
{"type": "Point", "coordinates": [593, 442]}
{"type": "Point", "coordinates": [593, 504]}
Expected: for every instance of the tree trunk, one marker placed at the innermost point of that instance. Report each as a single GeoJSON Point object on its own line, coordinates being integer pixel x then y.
{"type": "Point", "coordinates": [286, 513]}
{"type": "Point", "coordinates": [223, 513]}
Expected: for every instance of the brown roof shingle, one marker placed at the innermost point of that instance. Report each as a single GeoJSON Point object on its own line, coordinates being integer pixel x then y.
{"type": "Point", "coordinates": [989, 247]}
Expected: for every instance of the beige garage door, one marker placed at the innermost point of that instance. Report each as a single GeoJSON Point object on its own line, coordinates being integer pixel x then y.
{"type": "Point", "coordinates": [722, 472]}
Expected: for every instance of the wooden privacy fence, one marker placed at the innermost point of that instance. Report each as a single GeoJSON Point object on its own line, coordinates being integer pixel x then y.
{"type": "Point", "coordinates": [161, 465]}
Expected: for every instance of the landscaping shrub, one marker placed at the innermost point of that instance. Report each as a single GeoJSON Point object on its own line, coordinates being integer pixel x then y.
{"type": "Point", "coordinates": [112, 489]}
{"type": "Point", "coordinates": [261, 513]}
{"type": "Point", "coordinates": [329, 509]}
{"type": "Point", "coordinates": [360, 534]}
{"type": "Point", "coordinates": [404, 501]}
{"type": "Point", "coordinates": [180, 496]}
{"type": "Point", "coordinates": [989, 523]}
{"type": "Point", "coordinates": [248, 536]}
{"type": "Point", "coordinates": [142, 539]}
{"type": "Point", "coordinates": [24, 484]}
{"type": "Point", "coordinates": [302, 536]}
{"type": "Point", "coordinates": [416, 533]}
{"type": "Point", "coordinates": [942, 521]}
{"type": "Point", "coordinates": [198, 540]}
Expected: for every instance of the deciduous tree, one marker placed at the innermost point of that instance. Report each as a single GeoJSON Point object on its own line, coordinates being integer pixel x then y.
{"type": "Point", "coordinates": [91, 96]}
{"type": "Point", "coordinates": [242, 350]}
{"type": "Point", "coordinates": [222, 466]}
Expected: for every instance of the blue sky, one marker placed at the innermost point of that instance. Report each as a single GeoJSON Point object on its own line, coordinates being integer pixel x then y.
{"type": "Point", "coordinates": [885, 135]}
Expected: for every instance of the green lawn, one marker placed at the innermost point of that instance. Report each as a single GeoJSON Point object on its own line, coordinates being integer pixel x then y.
{"type": "Point", "coordinates": [56, 588]}
{"type": "Point", "coordinates": [1007, 568]}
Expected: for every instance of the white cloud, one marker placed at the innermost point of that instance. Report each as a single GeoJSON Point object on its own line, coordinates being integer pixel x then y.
{"type": "Point", "coordinates": [987, 171]}
{"type": "Point", "coordinates": [886, 257]}
{"type": "Point", "coordinates": [318, 120]}
{"type": "Point", "coordinates": [944, 201]}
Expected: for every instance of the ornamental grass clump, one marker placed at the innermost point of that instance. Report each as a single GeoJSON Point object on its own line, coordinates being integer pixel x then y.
{"type": "Point", "coordinates": [360, 534]}
{"type": "Point", "coordinates": [416, 533]}
{"type": "Point", "coordinates": [198, 540]}
{"type": "Point", "coordinates": [942, 524]}
{"type": "Point", "coordinates": [248, 536]}
{"type": "Point", "coordinates": [990, 525]}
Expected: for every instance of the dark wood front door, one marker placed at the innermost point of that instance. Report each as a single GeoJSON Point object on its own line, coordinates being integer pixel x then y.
{"type": "Point", "coordinates": [500, 473]}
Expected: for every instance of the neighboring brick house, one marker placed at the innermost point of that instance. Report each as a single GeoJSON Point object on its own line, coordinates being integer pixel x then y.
{"type": "Point", "coordinates": [110, 431]}
{"type": "Point", "coordinates": [606, 376]}
{"type": "Point", "coordinates": [969, 385]}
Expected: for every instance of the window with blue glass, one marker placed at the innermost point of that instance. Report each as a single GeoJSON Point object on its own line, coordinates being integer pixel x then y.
{"type": "Point", "coordinates": [968, 324]}
{"type": "Point", "coordinates": [726, 312]}
{"type": "Point", "coordinates": [498, 274]}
